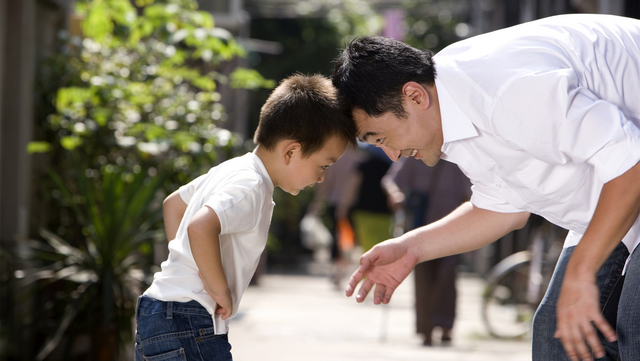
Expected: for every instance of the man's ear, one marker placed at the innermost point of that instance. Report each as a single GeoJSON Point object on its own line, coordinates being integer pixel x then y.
{"type": "Point", "coordinates": [291, 150]}
{"type": "Point", "coordinates": [416, 93]}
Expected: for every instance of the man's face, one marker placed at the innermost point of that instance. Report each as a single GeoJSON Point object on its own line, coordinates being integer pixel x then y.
{"type": "Point", "coordinates": [418, 135]}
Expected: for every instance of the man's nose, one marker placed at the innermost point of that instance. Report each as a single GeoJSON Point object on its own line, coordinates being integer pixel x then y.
{"type": "Point", "coordinates": [393, 154]}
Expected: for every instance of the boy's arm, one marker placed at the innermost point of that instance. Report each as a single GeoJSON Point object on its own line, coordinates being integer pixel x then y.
{"type": "Point", "coordinates": [204, 238]}
{"type": "Point", "coordinates": [173, 208]}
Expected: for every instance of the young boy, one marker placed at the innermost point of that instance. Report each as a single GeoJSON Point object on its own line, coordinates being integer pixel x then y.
{"type": "Point", "coordinates": [218, 223]}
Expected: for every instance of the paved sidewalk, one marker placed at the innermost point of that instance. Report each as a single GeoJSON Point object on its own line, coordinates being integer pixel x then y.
{"type": "Point", "coordinates": [295, 317]}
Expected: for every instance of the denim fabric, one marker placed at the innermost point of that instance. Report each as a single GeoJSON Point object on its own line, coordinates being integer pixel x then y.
{"type": "Point", "coordinates": [613, 292]}
{"type": "Point", "coordinates": [177, 331]}
{"type": "Point", "coordinates": [629, 312]}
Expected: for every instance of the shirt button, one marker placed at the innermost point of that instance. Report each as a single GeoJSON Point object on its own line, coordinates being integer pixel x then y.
{"type": "Point", "coordinates": [572, 227]}
{"type": "Point", "coordinates": [498, 185]}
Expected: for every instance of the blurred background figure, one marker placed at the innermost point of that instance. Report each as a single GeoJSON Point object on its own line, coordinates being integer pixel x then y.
{"type": "Point", "coordinates": [325, 204]}
{"type": "Point", "coordinates": [428, 194]}
{"type": "Point", "coordinates": [364, 202]}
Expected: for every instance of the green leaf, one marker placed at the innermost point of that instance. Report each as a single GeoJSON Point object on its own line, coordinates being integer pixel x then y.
{"type": "Point", "coordinates": [38, 147]}
{"type": "Point", "coordinates": [154, 132]}
{"type": "Point", "coordinates": [249, 79]}
{"type": "Point", "coordinates": [70, 142]}
{"type": "Point", "coordinates": [98, 22]}
{"type": "Point", "coordinates": [100, 115]}
{"type": "Point", "coordinates": [205, 83]}
{"type": "Point", "coordinates": [73, 96]}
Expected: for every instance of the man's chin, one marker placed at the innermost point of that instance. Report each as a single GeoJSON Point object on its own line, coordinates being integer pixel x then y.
{"type": "Point", "coordinates": [430, 162]}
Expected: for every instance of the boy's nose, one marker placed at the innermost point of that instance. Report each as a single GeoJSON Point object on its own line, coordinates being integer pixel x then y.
{"type": "Point", "coordinates": [321, 178]}
{"type": "Point", "coordinates": [393, 154]}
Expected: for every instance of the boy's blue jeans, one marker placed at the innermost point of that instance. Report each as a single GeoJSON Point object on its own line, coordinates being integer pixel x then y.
{"type": "Point", "coordinates": [619, 301]}
{"type": "Point", "coordinates": [177, 331]}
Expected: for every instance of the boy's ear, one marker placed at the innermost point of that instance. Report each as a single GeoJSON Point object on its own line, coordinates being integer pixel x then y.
{"type": "Point", "coordinates": [291, 150]}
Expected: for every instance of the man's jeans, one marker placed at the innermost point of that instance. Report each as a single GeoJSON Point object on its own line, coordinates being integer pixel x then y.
{"type": "Point", "coordinates": [618, 299]}
{"type": "Point", "coordinates": [177, 331]}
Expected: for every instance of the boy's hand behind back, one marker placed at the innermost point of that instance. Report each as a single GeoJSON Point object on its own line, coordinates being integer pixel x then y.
{"type": "Point", "coordinates": [224, 302]}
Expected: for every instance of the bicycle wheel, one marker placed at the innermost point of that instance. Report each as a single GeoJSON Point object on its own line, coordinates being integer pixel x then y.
{"type": "Point", "coordinates": [505, 310]}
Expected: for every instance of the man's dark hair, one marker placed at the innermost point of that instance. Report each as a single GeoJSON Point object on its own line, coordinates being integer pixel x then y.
{"type": "Point", "coordinates": [371, 71]}
{"type": "Point", "coordinates": [304, 109]}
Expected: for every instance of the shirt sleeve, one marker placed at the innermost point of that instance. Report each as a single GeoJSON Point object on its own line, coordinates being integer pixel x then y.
{"type": "Point", "coordinates": [556, 120]}
{"type": "Point", "coordinates": [484, 197]}
{"type": "Point", "coordinates": [187, 191]}
{"type": "Point", "coordinates": [238, 205]}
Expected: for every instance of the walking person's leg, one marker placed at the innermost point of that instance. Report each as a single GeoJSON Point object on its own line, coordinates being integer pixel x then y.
{"type": "Point", "coordinates": [446, 293]}
{"type": "Point", "coordinates": [425, 297]}
{"type": "Point", "coordinates": [545, 345]}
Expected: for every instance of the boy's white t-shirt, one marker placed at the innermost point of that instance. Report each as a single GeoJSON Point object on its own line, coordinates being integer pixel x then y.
{"type": "Point", "coordinates": [240, 191]}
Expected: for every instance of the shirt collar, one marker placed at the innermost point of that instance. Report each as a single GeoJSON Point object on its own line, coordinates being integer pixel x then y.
{"type": "Point", "coordinates": [455, 124]}
{"type": "Point", "coordinates": [263, 170]}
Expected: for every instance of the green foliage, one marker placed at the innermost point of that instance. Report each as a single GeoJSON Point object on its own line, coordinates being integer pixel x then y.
{"type": "Point", "coordinates": [249, 79]}
{"type": "Point", "coordinates": [355, 18]}
{"type": "Point", "coordinates": [434, 24]}
{"type": "Point", "coordinates": [38, 147]}
{"type": "Point", "coordinates": [105, 270]}
{"type": "Point", "coordinates": [140, 93]}
{"type": "Point", "coordinates": [143, 85]}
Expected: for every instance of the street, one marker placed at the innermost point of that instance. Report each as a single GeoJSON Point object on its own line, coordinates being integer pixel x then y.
{"type": "Point", "coordinates": [303, 317]}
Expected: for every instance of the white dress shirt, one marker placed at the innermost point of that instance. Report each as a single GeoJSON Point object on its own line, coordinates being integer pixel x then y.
{"type": "Point", "coordinates": [539, 116]}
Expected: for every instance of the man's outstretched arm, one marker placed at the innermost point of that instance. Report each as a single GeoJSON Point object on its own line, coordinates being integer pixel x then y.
{"type": "Point", "coordinates": [467, 228]}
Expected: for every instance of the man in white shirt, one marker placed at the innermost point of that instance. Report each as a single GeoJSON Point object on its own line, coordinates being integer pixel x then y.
{"type": "Point", "coordinates": [544, 118]}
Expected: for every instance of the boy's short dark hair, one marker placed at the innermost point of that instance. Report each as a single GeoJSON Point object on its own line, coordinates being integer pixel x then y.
{"type": "Point", "coordinates": [304, 109]}
{"type": "Point", "coordinates": [371, 71]}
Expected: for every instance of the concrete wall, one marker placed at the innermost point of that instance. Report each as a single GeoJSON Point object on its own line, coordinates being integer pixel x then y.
{"type": "Point", "coordinates": [16, 116]}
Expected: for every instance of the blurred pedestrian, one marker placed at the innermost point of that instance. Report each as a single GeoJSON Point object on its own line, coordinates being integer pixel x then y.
{"type": "Point", "coordinates": [364, 201]}
{"type": "Point", "coordinates": [325, 202]}
{"type": "Point", "coordinates": [428, 194]}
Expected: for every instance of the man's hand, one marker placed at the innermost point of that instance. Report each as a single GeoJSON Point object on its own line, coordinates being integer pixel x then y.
{"type": "Point", "coordinates": [224, 302]}
{"type": "Point", "coordinates": [578, 308]}
{"type": "Point", "coordinates": [386, 265]}
{"type": "Point", "coordinates": [578, 313]}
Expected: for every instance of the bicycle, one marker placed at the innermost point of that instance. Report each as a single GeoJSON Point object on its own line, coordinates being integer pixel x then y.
{"type": "Point", "coordinates": [516, 285]}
